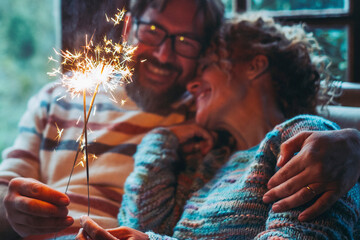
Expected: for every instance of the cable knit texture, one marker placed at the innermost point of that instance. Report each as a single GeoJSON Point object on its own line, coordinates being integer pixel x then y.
{"type": "Point", "coordinates": [220, 197]}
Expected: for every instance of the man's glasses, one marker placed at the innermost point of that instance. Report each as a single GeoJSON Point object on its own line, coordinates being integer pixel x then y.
{"type": "Point", "coordinates": [154, 35]}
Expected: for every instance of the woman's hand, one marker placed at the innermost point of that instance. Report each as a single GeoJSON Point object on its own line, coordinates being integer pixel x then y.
{"type": "Point", "coordinates": [91, 230]}
{"type": "Point", "coordinates": [193, 138]}
{"type": "Point", "coordinates": [327, 166]}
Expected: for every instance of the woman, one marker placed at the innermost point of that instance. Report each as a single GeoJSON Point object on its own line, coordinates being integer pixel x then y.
{"type": "Point", "coordinates": [271, 79]}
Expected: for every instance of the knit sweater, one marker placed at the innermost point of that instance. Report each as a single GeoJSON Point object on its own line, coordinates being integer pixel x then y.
{"type": "Point", "coordinates": [220, 197]}
{"type": "Point", "coordinates": [114, 130]}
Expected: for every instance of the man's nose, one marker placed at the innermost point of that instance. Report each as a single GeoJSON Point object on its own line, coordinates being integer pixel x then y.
{"type": "Point", "coordinates": [164, 52]}
{"type": "Point", "coordinates": [193, 86]}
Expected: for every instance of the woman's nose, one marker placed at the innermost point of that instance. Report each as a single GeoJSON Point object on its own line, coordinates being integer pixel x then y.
{"type": "Point", "coordinates": [193, 86]}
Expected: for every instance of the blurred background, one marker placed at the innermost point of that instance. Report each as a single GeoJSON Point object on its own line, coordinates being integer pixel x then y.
{"type": "Point", "coordinates": [30, 29]}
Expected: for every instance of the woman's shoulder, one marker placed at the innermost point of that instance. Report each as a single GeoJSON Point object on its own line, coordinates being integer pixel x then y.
{"type": "Point", "coordinates": [306, 123]}
{"type": "Point", "coordinates": [295, 125]}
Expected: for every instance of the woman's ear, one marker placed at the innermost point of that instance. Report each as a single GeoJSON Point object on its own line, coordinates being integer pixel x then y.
{"type": "Point", "coordinates": [257, 66]}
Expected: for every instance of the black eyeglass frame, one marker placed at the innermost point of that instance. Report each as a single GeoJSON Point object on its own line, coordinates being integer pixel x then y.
{"type": "Point", "coordinates": [171, 36]}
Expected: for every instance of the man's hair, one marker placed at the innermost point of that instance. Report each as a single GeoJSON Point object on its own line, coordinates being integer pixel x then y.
{"type": "Point", "coordinates": [213, 11]}
{"type": "Point", "coordinates": [296, 62]}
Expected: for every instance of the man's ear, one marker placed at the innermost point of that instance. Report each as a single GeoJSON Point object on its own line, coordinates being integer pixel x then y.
{"type": "Point", "coordinates": [126, 31]}
{"type": "Point", "coordinates": [257, 66]}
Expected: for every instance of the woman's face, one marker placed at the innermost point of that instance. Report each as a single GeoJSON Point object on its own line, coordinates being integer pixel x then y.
{"type": "Point", "coordinates": [216, 96]}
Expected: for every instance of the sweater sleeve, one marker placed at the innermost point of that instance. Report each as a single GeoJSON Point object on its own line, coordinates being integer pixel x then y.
{"type": "Point", "coordinates": [22, 159]}
{"type": "Point", "coordinates": [338, 222]}
{"type": "Point", "coordinates": [149, 200]}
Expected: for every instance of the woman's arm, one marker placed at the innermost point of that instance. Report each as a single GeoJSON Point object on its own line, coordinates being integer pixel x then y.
{"type": "Point", "coordinates": [149, 199]}
{"type": "Point", "coordinates": [154, 192]}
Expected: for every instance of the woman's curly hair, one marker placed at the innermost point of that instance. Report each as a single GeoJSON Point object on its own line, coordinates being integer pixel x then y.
{"type": "Point", "coordinates": [295, 61]}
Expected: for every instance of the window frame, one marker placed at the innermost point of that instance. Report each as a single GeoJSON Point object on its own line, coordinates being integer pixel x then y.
{"type": "Point", "coordinates": [349, 20]}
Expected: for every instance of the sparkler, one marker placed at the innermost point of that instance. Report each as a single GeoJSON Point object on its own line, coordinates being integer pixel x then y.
{"type": "Point", "coordinates": [105, 65]}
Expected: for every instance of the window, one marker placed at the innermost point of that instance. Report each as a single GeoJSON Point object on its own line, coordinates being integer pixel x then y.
{"type": "Point", "coordinates": [333, 22]}
{"type": "Point", "coordinates": [30, 29]}
{"type": "Point", "coordinates": [300, 7]}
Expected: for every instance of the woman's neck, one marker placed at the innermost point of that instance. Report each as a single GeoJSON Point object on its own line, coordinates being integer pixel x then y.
{"type": "Point", "coordinates": [253, 119]}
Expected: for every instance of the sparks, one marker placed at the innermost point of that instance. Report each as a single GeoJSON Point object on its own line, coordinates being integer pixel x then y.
{"type": "Point", "coordinates": [118, 17]}
{"type": "Point", "coordinates": [59, 133]}
{"type": "Point", "coordinates": [83, 72]}
{"type": "Point", "coordinates": [51, 59]}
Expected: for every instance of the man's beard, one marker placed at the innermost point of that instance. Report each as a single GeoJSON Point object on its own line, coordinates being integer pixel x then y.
{"type": "Point", "coordinates": [149, 100]}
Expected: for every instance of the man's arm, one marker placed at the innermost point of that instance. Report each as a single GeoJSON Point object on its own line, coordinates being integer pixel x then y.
{"type": "Point", "coordinates": [315, 164]}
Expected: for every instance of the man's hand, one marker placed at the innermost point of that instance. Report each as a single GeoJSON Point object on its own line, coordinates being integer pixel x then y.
{"type": "Point", "coordinates": [34, 208]}
{"type": "Point", "coordinates": [93, 231]}
{"type": "Point", "coordinates": [327, 165]}
{"type": "Point", "coordinates": [193, 138]}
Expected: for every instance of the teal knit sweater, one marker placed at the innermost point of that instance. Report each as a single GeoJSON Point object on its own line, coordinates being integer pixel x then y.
{"type": "Point", "coordinates": [220, 197]}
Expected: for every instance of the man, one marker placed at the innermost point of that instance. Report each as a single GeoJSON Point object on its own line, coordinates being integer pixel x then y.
{"type": "Point", "coordinates": [170, 36]}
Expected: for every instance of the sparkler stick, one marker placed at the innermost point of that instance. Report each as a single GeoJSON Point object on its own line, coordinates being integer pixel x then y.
{"type": "Point", "coordinates": [107, 67]}
{"type": "Point", "coordinates": [86, 153]}
{"type": "Point", "coordinates": [86, 116]}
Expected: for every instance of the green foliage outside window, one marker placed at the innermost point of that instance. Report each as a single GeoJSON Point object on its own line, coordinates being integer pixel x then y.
{"type": "Point", "coordinates": [334, 43]}
{"type": "Point", "coordinates": [228, 7]}
{"type": "Point", "coordinates": [296, 4]}
{"type": "Point", "coordinates": [28, 33]}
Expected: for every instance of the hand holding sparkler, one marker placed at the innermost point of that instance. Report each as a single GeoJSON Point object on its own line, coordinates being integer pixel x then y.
{"type": "Point", "coordinates": [91, 230]}
{"type": "Point", "coordinates": [34, 208]}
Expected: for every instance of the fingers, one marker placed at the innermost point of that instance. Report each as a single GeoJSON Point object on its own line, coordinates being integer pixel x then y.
{"type": "Point", "coordinates": [28, 211]}
{"type": "Point", "coordinates": [194, 147]}
{"type": "Point", "coordinates": [193, 138]}
{"type": "Point", "coordinates": [322, 204]}
{"type": "Point", "coordinates": [94, 231]}
{"type": "Point", "coordinates": [35, 207]}
{"type": "Point", "coordinates": [81, 235]}
{"type": "Point", "coordinates": [126, 233]}
{"type": "Point", "coordinates": [35, 217]}
{"type": "Point", "coordinates": [291, 169]}
{"type": "Point", "coordinates": [28, 225]}
{"type": "Point", "coordinates": [299, 198]}
{"type": "Point", "coordinates": [27, 196]}
{"type": "Point", "coordinates": [304, 195]}
{"type": "Point", "coordinates": [287, 188]}
{"type": "Point", "coordinates": [35, 189]}
{"type": "Point", "coordinates": [29, 220]}
{"type": "Point", "coordinates": [204, 139]}
{"type": "Point", "coordinates": [207, 143]}
{"type": "Point", "coordinates": [290, 147]}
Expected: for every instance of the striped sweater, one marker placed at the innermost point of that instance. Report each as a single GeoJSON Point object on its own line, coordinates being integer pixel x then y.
{"type": "Point", "coordinates": [220, 197]}
{"type": "Point", "coordinates": [114, 132]}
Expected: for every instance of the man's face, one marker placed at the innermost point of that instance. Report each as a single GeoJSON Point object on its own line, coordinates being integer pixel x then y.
{"type": "Point", "coordinates": [161, 73]}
